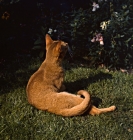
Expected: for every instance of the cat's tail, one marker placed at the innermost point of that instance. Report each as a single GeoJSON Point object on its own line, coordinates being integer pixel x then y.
{"type": "Point", "coordinates": [78, 109]}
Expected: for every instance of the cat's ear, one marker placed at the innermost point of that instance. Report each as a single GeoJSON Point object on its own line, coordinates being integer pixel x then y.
{"type": "Point", "coordinates": [48, 40]}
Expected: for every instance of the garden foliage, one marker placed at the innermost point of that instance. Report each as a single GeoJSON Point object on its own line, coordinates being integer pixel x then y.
{"type": "Point", "coordinates": [76, 23]}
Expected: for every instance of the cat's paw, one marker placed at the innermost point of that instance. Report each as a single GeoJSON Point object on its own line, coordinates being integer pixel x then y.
{"type": "Point", "coordinates": [112, 108]}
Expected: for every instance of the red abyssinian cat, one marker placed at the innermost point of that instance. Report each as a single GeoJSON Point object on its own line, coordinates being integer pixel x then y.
{"type": "Point", "coordinates": [45, 89]}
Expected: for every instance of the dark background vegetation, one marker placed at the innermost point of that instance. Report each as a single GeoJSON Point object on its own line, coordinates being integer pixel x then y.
{"type": "Point", "coordinates": [23, 25]}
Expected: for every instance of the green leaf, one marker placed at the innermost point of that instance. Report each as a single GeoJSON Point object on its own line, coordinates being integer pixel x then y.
{"type": "Point", "coordinates": [122, 35]}
{"type": "Point", "coordinates": [124, 6]}
{"type": "Point", "coordinates": [38, 41]}
{"type": "Point", "coordinates": [126, 12]}
{"type": "Point", "coordinates": [72, 25]}
{"type": "Point", "coordinates": [112, 46]}
{"type": "Point", "coordinates": [80, 33]}
{"type": "Point", "coordinates": [128, 40]}
{"type": "Point", "coordinates": [127, 18]}
{"type": "Point", "coordinates": [118, 36]}
{"type": "Point", "coordinates": [119, 42]}
{"type": "Point", "coordinates": [37, 47]}
{"type": "Point", "coordinates": [41, 54]}
{"type": "Point", "coordinates": [43, 30]}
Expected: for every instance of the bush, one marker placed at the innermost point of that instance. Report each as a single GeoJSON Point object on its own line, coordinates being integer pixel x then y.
{"type": "Point", "coordinates": [16, 28]}
{"type": "Point", "coordinates": [79, 26]}
{"type": "Point", "coordinates": [118, 50]}
{"type": "Point", "coordinates": [74, 23]}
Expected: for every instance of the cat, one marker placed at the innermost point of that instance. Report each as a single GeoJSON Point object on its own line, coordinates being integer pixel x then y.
{"type": "Point", "coordinates": [45, 88]}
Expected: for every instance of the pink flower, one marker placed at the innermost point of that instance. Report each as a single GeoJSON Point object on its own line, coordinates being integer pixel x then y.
{"type": "Point", "coordinates": [98, 38]}
{"type": "Point", "coordinates": [93, 39]}
{"type": "Point", "coordinates": [95, 6]}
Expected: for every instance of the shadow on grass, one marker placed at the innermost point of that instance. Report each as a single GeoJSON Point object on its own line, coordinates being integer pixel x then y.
{"type": "Point", "coordinates": [83, 83]}
{"type": "Point", "coordinates": [15, 74]}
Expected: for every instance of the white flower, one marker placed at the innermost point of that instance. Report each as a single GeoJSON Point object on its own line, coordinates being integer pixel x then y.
{"type": "Point", "coordinates": [93, 39]}
{"type": "Point", "coordinates": [55, 31]}
{"type": "Point", "coordinates": [101, 43]}
{"type": "Point", "coordinates": [50, 31]}
{"type": "Point", "coordinates": [104, 24]}
{"type": "Point", "coordinates": [116, 14]}
{"type": "Point", "coordinates": [95, 7]}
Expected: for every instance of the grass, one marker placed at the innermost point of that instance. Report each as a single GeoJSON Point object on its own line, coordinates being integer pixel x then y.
{"type": "Point", "coordinates": [21, 121]}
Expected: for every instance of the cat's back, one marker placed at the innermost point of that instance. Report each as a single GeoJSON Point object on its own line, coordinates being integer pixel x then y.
{"type": "Point", "coordinates": [45, 76]}
{"type": "Point", "coordinates": [35, 80]}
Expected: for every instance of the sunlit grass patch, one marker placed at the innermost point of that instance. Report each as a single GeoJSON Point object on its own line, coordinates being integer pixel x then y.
{"type": "Point", "coordinates": [20, 121]}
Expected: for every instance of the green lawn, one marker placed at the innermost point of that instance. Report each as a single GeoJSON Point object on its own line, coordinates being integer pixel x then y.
{"type": "Point", "coordinates": [21, 121]}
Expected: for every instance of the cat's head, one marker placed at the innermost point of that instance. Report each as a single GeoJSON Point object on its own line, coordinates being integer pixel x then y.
{"type": "Point", "coordinates": [55, 50]}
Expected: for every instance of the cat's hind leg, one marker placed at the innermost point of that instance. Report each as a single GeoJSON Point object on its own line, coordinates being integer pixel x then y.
{"type": "Point", "coordinates": [96, 111]}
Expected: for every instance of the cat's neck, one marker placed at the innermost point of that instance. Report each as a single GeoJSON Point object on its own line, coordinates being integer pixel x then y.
{"type": "Point", "coordinates": [52, 63]}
